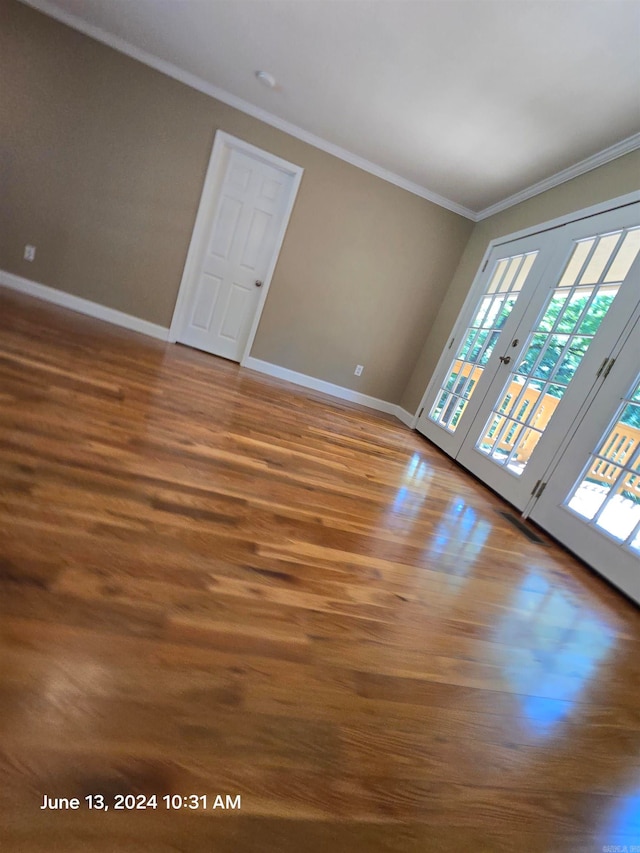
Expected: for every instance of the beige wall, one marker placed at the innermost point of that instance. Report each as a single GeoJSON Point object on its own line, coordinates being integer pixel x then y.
{"type": "Point", "coordinates": [103, 161]}
{"type": "Point", "coordinates": [614, 179]}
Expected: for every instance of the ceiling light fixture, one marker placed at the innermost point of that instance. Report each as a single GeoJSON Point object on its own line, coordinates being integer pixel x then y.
{"type": "Point", "coordinates": [266, 79]}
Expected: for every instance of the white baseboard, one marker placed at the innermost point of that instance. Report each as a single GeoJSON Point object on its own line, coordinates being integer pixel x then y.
{"type": "Point", "coordinates": [306, 381]}
{"type": "Point", "coordinates": [407, 418]}
{"type": "Point", "coordinates": [136, 324]}
{"type": "Point", "coordinates": [82, 306]}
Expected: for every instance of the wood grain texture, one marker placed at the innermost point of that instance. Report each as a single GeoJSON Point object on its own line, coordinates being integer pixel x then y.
{"type": "Point", "coordinates": [213, 582]}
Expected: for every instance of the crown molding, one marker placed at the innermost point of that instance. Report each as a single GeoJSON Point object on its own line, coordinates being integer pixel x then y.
{"type": "Point", "coordinates": [631, 143]}
{"type": "Point", "coordinates": [194, 82]}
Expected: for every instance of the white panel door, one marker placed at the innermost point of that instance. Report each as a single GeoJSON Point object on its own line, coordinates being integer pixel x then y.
{"type": "Point", "coordinates": [241, 240]}
{"type": "Point", "coordinates": [591, 501]}
{"type": "Point", "coordinates": [571, 323]}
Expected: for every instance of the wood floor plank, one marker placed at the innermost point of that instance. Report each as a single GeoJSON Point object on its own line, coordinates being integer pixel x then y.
{"type": "Point", "coordinates": [215, 582]}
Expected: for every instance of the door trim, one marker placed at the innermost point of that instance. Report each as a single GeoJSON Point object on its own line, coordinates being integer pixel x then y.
{"type": "Point", "coordinates": [574, 216]}
{"type": "Point", "coordinates": [223, 145]}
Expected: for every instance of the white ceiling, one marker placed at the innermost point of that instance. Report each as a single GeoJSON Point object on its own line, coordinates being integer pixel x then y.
{"type": "Point", "coordinates": [467, 102]}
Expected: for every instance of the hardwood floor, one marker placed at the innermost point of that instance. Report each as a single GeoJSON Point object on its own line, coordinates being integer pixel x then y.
{"type": "Point", "coordinates": [212, 582]}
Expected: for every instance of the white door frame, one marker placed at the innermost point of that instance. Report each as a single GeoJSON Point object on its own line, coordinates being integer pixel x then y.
{"type": "Point", "coordinates": [223, 145]}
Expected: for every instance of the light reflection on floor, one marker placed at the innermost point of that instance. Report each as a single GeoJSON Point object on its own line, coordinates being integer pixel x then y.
{"type": "Point", "coordinates": [623, 824]}
{"type": "Point", "coordinates": [411, 495]}
{"type": "Point", "coordinates": [460, 535]}
{"type": "Point", "coordinates": [458, 541]}
{"type": "Point", "coordinates": [552, 648]}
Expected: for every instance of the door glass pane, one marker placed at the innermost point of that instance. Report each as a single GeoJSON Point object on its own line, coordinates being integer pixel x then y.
{"type": "Point", "coordinates": [480, 338]}
{"type": "Point", "coordinates": [556, 347]}
{"type": "Point", "coordinates": [607, 495]}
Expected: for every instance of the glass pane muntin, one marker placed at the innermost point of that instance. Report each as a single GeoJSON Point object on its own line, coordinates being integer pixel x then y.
{"type": "Point", "coordinates": [606, 495]}
{"type": "Point", "coordinates": [556, 347]}
{"type": "Point", "coordinates": [480, 338]}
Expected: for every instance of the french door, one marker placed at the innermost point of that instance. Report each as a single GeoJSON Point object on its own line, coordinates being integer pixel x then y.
{"type": "Point", "coordinates": [504, 417]}
{"type": "Point", "coordinates": [591, 500]}
{"type": "Point", "coordinates": [473, 356]}
{"type": "Point", "coordinates": [569, 326]}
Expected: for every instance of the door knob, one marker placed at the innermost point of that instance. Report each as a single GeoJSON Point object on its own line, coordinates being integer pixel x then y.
{"type": "Point", "coordinates": [505, 359]}
{"type": "Point", "coordinates": [258, 284]}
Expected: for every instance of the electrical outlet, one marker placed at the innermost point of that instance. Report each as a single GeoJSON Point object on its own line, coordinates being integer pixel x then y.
{"type": "Point", "coordinates": [29, 252]}
{"type": "Point", "coordinates": [359, 369]}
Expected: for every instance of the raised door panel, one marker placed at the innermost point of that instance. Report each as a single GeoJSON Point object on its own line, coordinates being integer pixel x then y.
{"type": "Point", "coordinates": [225, 227]}
{"type": "Point", "coordinates": [205, 301]}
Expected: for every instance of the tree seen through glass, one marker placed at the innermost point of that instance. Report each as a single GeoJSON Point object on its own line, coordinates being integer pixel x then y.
{"type": "Point", "coordinates": [568, 313]}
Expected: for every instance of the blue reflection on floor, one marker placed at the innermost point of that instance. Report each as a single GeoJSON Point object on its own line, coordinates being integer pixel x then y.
{"type": "Point", "coordinates": [458, 539]}
{"type": "Point", "coordinates": [544, 713]}
{"type": "Point", "coordinates": [552, 648]}
{"type": "Point", "coordinates": [410, 496]}
{"type": "Point", "coordinates": [624, 823]}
